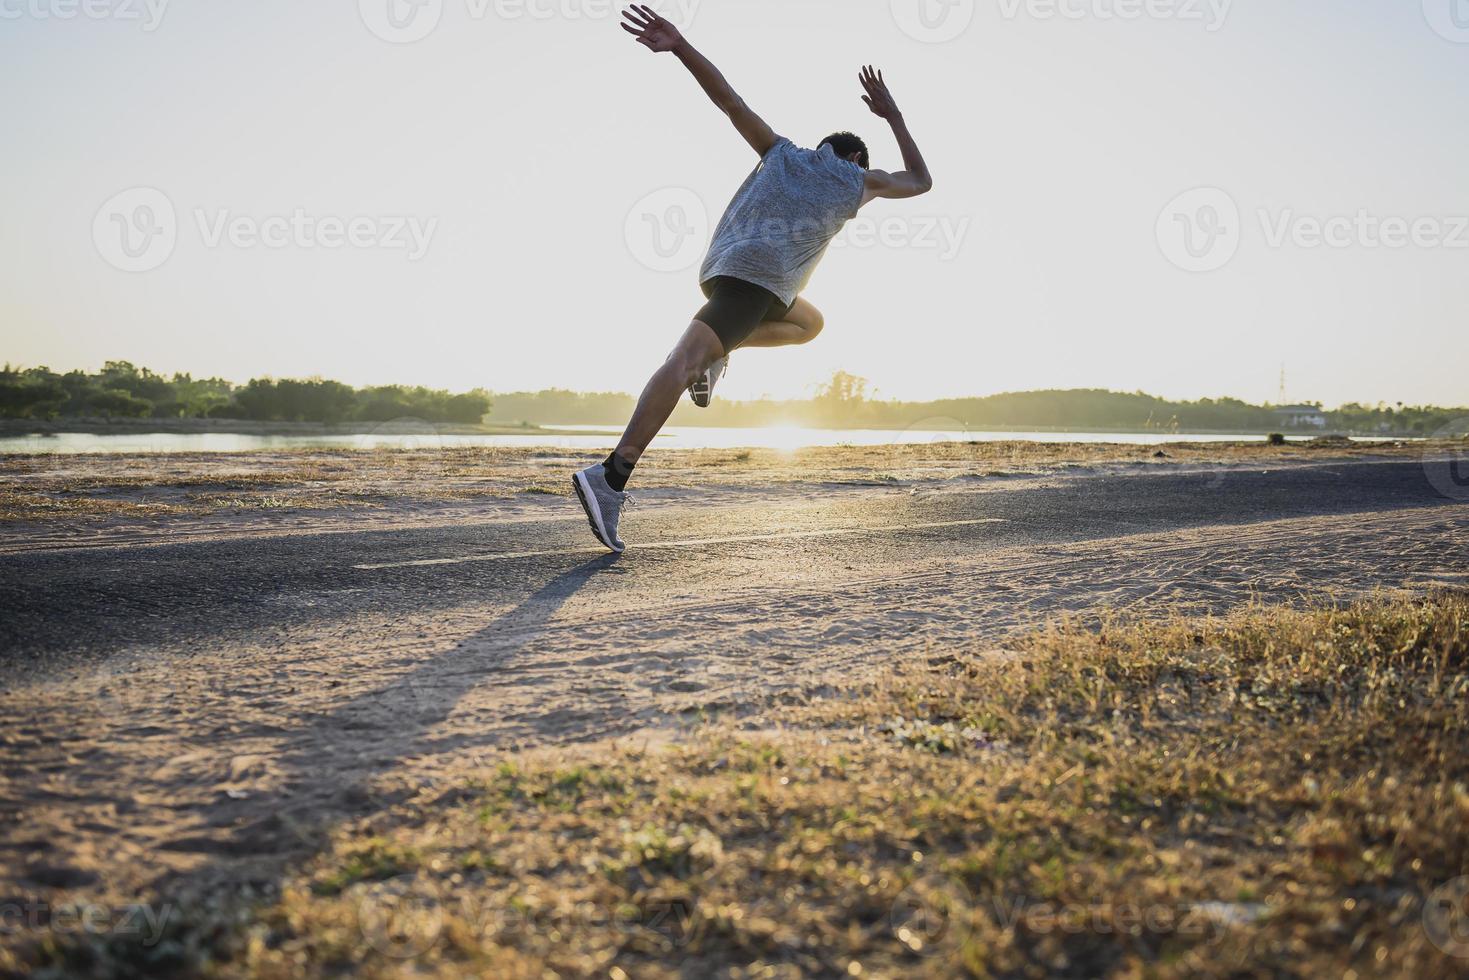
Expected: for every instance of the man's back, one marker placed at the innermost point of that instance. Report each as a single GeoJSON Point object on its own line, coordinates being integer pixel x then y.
{"type": "Point", "coordinates": [783, 217]}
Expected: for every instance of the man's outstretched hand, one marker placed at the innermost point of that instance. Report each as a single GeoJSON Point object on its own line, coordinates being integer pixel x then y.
{"type": "Point", "coordinates": [878, 98]}
{"type": "Point", "coordinates": [652, 31]}
{"type": "Point", "coordinates": [657, 34]}
{"type": "Point", "coordinates": [913, 179]}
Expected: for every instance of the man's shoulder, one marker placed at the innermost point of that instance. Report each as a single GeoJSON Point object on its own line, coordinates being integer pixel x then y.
{"type": "Point", "coordinates": [823, 157]}
{"type": "Point", "coordinates": [782, 145]}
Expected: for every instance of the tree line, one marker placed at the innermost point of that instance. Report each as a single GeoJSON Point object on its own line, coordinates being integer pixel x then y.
{"type": "Point", "coordinates": [845, 402]}
{"type": "Point", "coordinates": [121, 390]}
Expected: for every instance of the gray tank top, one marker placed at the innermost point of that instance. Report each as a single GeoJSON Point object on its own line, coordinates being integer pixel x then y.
{"type": "Point", "coordinates": [783, 217]}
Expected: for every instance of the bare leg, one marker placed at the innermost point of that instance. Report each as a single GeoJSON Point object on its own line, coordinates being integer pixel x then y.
{"type": "Point", "coordinates": [800, 326]}
{"type": "Point", "coordinates": [697, 349]}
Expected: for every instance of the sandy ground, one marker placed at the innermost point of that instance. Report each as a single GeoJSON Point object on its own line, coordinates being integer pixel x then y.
{"type": "Point", "coordinates": [74, 500]}
{"type": "Point", "coordinates": [246, 681]}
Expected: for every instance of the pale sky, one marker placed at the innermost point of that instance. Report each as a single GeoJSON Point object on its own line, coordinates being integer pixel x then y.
{"type": "Point", "coordinates": [522, 139]}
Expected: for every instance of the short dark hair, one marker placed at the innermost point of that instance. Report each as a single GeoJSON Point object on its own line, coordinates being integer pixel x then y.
{"type": "Point", "coordinates": [845, 144]}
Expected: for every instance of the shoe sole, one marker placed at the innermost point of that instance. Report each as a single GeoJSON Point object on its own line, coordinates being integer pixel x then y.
{"type": "Point", "coordinates": [594, 515]}
{"type": "Point", "coordinates": [699, 392]}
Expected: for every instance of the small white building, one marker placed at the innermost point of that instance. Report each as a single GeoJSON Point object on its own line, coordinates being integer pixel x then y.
{"type": "Point", "coordinates": [1301, 417]}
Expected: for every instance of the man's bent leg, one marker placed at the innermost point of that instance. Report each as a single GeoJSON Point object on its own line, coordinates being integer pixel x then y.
{"type": "Point", "coordinates": [800, 326]}
{"type": "Point", "coordinates": [696, 350]}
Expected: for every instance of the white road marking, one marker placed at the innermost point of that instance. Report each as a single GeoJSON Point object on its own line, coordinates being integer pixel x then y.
{"type": "Point", "coordinates": [784, 536]}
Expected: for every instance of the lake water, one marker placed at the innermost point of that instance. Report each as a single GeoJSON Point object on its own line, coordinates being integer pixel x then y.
{"type": "Point", "coordinates": [674, 437]}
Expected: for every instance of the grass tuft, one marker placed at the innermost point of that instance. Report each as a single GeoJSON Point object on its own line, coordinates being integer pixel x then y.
{"type": "Point", "coordinates": [1274, 792]}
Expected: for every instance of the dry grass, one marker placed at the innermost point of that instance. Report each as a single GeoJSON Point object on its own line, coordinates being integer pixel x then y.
{"type": "Point", "coordinates": [36, 508]}
{"type": "Point", "coordinates": [1273, 793]}
{"type": "Point", "coordinates": [88, 488]}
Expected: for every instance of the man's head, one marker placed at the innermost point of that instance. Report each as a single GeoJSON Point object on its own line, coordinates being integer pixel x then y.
{"type": "Point", "coordinates": [848, 146]}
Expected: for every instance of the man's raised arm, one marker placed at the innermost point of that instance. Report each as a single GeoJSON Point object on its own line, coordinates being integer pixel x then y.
{"type": "Point", "coordinates": [657, 34]}
{"type": "Point", "coordinates": [914, 179]}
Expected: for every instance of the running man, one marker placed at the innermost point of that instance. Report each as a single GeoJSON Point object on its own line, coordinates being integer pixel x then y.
{"type": "Point", "coordinates": [763, 253]}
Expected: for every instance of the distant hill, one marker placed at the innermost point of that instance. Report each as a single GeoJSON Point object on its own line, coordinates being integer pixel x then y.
{"type": "Point", "coordinates": [843, 403]}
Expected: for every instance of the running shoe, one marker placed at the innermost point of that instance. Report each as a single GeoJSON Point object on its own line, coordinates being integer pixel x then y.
{"type": "Point", "coordinates": [701, 392]}
{"type": "Point", "coordinates": [602, 504]}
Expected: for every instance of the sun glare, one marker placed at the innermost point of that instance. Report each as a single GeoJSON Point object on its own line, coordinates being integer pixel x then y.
{"type": "Point", "coordinates": [788, 438]}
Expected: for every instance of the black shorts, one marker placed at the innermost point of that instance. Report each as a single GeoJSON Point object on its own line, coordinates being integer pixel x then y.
{"type": "Point", "coordinates": [736, 308]}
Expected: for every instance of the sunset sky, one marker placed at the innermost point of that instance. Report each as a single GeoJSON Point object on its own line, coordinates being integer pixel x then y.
{"type": "Point", "coordinates": [530, 151]}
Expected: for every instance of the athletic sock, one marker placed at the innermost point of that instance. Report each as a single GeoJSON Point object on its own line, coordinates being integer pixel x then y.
{"type": "Point", "coordinates": [616, 470]}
